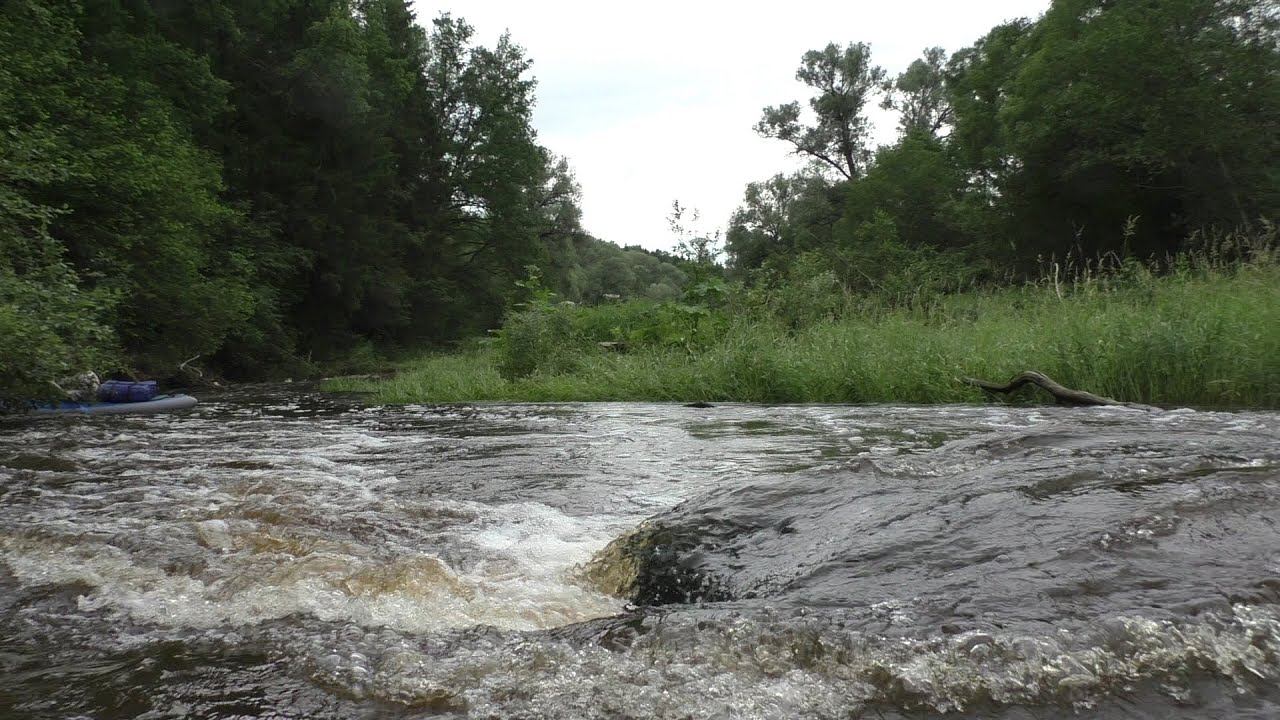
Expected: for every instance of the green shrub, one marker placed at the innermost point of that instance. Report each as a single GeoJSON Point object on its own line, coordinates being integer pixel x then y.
{"type": "Point", "coordinates": [49, 329]}
{"type": "Point", "coordinates": [537, 339]}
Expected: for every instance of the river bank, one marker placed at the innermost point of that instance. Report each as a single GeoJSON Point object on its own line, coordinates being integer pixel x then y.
{"type": "Point", "coordinates": [1205, 338]}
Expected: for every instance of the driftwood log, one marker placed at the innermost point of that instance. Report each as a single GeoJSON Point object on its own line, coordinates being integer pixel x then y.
{"type": "Point", "coordinates": [1061, 393]}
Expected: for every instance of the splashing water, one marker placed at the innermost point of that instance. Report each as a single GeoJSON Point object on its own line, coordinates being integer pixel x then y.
{"type": "Point", "coordinates": [279, 553]}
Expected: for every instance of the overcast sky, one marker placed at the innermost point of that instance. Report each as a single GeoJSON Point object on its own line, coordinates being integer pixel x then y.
{"type": "Point", "coordinates": [655, 101]}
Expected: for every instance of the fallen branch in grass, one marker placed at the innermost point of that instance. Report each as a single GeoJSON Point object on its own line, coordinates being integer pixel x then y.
{"type": "Point", "coordinates": [1061, 393]}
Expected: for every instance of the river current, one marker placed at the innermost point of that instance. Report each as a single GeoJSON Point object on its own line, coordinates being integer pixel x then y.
{"type": "Point", "coordinates": [285, 553]}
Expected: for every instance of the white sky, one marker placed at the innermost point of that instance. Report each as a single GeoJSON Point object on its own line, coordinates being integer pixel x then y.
{"type": "Point", "coordinates": [655, 101]}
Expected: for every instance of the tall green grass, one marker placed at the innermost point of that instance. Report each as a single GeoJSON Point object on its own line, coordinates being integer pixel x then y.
{"type": "Point", "coordinates": [1204, 333]}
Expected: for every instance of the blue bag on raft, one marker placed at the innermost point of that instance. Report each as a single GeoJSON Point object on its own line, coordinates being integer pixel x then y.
{"type": "Point", "coordinates": [123, 391]}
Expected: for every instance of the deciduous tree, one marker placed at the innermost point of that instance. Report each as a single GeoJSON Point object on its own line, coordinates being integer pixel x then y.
{"type": "Point", "coordinates": [844, 80]}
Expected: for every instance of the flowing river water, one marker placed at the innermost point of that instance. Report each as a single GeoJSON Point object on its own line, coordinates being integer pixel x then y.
{"type": "Point", "coordinates": [284, 553]}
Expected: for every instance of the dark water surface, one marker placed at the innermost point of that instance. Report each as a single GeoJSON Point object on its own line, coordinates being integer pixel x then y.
{"type": "Point", "coordinates": [293, 555]}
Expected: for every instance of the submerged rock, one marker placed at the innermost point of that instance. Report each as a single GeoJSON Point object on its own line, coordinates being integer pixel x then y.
{"type": "Point", "coordinates": [39, 463]}
{"type": "Point", "coordinates": [215, 534]}
{"type": "Point", "coordinates": [652, 565]}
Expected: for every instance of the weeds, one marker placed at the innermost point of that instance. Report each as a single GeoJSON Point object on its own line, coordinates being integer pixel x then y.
{"type": "Point", "coordinates": [1200, 329]}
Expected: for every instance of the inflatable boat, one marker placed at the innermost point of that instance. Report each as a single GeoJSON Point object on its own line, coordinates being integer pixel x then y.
{"type": "Point", "coordinates": [157, 404]}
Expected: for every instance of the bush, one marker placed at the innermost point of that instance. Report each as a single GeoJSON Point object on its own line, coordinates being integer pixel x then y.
{"type": "Point", "coordinates": [49, 329]}
{"type": "Point", "coordinates": [537, 340]}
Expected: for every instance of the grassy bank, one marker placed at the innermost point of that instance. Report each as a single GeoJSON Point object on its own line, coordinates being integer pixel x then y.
{"type": "Point", "coordinates": [1202, 336]}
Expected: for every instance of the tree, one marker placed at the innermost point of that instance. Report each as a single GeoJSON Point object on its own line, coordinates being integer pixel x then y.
{"type": "Point", "coordinates": [698, 250]}
{"type": "Point", "coordinates": [488, 168]}
{"type": "Point", "coordinates": [560, 226]}
{"type": "Point", "coordinates": [977, 83]}
{"type": "Point", "coordinates": [914, 184]}
{"type": "Point", "coordinates": [920, 95]}
{"type": "Point", "coordinates": [1106, 111]}
{"type": "Point", "coordinates": [49, 326]}
{"type": "Point", "coordinates": [844, 80]}
{"type": "Point", "coordinates": [139, 217]}
{"type": "Point", "coordinates": [775, 221]}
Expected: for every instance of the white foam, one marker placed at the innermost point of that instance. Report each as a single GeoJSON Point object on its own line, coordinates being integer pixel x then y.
{"type": "Point", "coordinates": [414, 593]}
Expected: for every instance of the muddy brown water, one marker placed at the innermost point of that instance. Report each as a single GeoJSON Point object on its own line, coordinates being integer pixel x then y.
{"type": "Point", "coordinates": [282, 553]}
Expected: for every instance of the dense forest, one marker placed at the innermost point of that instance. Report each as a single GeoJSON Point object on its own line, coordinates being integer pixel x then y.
{"type": "Point", "coordinates": [256, 186]}
{"type": "Point", "coordinates": [1105, 128]}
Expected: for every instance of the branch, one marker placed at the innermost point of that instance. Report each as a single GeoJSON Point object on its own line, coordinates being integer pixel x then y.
{"type": "Point", "coordinates": [802, 150]}
{"type": "Point", "coordinates": [196, 370]}
{"type": "Point", "coordinates": [1064, 395]}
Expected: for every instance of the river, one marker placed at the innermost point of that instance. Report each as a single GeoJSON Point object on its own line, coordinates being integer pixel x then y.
{"type": "Point", "coordinates": [283, 553]}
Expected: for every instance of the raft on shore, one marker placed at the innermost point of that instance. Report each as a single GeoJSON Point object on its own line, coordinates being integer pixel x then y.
{"type": "Point", "coordinates": [158, 404]}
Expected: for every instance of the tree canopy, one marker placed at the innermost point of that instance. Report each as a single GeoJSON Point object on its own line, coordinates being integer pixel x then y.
{"type": "Point", "coordinates": [1105, 127]}
{"type": "Point", "coordinates": [256, 183]}
{"type": "Point", "coordinates": [844, 80]}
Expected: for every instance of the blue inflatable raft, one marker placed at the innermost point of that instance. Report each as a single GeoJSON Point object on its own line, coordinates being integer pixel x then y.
{"type": "Point", "coordinates": [158, 404]}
